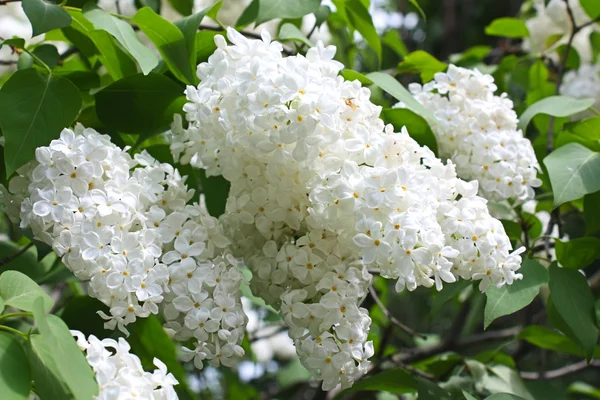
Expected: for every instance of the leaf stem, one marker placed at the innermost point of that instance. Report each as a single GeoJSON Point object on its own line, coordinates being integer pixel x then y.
{"type": "Point", "coordinates": [13, 330]}
{"type": "Point", "coordinates": [16, 314]}
{"type": "Point", "coordinates": [8, 259]}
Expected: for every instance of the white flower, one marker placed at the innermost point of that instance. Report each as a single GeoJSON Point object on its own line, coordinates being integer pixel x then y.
{"type": "Point", "coordinates": [119, 373]}
{"type": "Point", "coordinates": [478, 132]}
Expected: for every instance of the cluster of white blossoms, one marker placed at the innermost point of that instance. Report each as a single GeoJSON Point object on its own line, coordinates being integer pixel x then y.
{"type": "Point", "coordinates": [120, 374]}
{"type": "Point", "coordinates": [581, 84]}
{"type": "Point", "coordinates": [322, 191]}
{"type": "Point", "coordinates": [551, 28]}
{"type": "Point", "coordinates": [478, 132]}
{"type": "Point", "coordinates": [124, 225]}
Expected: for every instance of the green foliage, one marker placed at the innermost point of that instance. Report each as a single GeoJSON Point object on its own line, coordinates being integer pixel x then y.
{"type": "Point", "coordinates": [44, 16]}
{"type": "Point", "coordinates": [270, 9]}
{"type": "Point", "coordinates": [169, 41]}
{"type": "Point", "coordinates": [291, 32]}
{"type": "Point", "coordinates": [146, 104]}
{"type": "Point", "coordinates": [591, 7]}
{"type": "Point", "coordinates": [507, 27]}
{"type": "Point", "coordinates": [557, 106]}
{"type": "Point", "coordinates": [184, 7]}
{"type": "Point", "coordinates": [19, 291]}
{"type": "Point", "coordinates": [15, 374]}
{"type": "Point", "coordinates": [70, 362]}
{"type": "Point", "coordinates": [34, 108]}
{"type": "Point", "coordinates": [511, 298]}
{"type": "Point", "coordinates": [577, 253]}
{"type": "Point", "coordinates": [573, 172]}
{"type": "Point", "coordinates": [360, 19]}
{"type": "Point", "coordinates": [415, 124]}
{"type": "Point", "coordinates": [395, 380]}
{"type": "Point", "coordinates": [124, 34]}
{"type": "Point", "coordinates": [423, 63]}
{"type": "Point", "coordinates": [399, 92]}
{"type": "Point", "coordinates": [574, 302]}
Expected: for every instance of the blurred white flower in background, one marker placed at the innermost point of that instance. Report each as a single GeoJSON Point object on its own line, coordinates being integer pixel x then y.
{"type": "Point", "coordinates": [551, 27]}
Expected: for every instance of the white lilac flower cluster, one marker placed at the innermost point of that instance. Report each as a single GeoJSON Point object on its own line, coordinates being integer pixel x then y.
{"type": "Point", "coordinates": [551, 28]}
{"type": "Point", "coordinates": [583, 83]}
{"type": "Point", "coordinates": [478, 132]}
{"type": "Point", "coordinates": [124, 224]}
{"type": "Point", "coordinates": [322, 191]}
{"type": "Point", "coordinates": [120, 374]}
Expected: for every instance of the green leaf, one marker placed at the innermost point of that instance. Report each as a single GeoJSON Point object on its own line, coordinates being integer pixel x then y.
{"type": "Point", "coordinates": [149, 340]}
{"type": "Point", "coordinates": [361, 20]}
{"type": "Point", "coordinates": [45, 17]}
{"type": "Point", "coordinates": [557, 106]}
{"type": "Point", "coordinates": [48, 54]}
{"type": "Point", "coordinates": [591, 7]}
{"type": "Point", "coordinates": [430, 391]}
{"type": "Point", "coordinates": [34, 108]}
{"type": "Point", "coordinates": [422, 62]}
{"type": "Point", "coordinates": [321, 15]}
{"type": "Point", "coordinates": [507, 27]}
{"type": "Point", "coordinates": [72, 366]}
{"type": "Point", "coordinates": [591, 211]}
{"type": "Point", "coordinates": [13, 42]}
{"type": "Point", "coordinates": [216, 191]}
{"type": "Point", "coordinates": [44, 371]}
{"type": "Point", "coordinates": [291, 32]}
{"type": "Point", "coordinates": [573, 299]}
{"type": "Point", "coordinates": [183, 7]}
{"type": "Point", "coordinates": [351, 75]}
{"type": "Point", "coordinates": [390, 85]}
{"type": "Point", "coordinates": [124, 34]}
{"type": "Point", "coordinates": [26, 263]}
{"type": "Point", "coordinates": [205, 45]}
{"type": "Point", "coordinates": [145, 104]}
{"type": "Point", "coordinates": [20, 291]}
{"type": "Point", "coordinates": [419, 9]}
{"type": "Point", "coordinates": [90, 41]}
{"type": "Point", "coordinates": [249, 15]}
{"type": "Point", "coordinates": [550, 339]}
{"type": "Point", "coordinates": [284, 9]}
{"type": "Point", "coordinates": [169, 41]}
{"type": "Point", "coordinates": [511, 298]}
{"type": "Point", "coordinates": [573, 171]}
{"type": "Point", "coordinates": [393, 40]}
{"type": "Point", "coordinates": [189, 28]}
{"type": "Point", "coordinates": [394, 380]}
{"type": "Point", "coordinates": [2, 305]}
{"type": "Point", "coordinates": [15, 375]}
{"type": "Point", "coordinates": [468, 396]}
{"type": "Point", "coordinates": [513, 229]}
{"type": "Point", "coordinates": [416, 125]}
{"type": "Point", "coordinates": [80, 313]}
{"type": "Point", "coordinates": [213, 10]}
{"type": "Point", "coordinates": [450, 291]}
{"type": "Point", "coordinates": [577, 253]}
{"type": "Point", "coordinates": [504, 396]}
{"type": "Point", "coordinates": [573, 60]}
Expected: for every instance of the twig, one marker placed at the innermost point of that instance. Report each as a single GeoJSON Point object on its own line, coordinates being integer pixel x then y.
{"type": "Point", "coordinates": [8, 62]}
{"type": "Point", "coordinates": [560, 372]}
{"type": "Point", "coordinates": [393, 319]}
{"type": "Point", "coordinates": [267, 334]}
{"type": "Point", "coordinates": [426, 352]}
{"type": "Point", "coordinates": [5, 2]}
{"type": "Point", "coordinates": [8, 259]}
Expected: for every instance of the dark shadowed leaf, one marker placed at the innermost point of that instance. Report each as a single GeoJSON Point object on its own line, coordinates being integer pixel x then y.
{"type": "Point", "coordinates": [45, 16]}
{"type": "Point", "coordinates": [15, 375]}
{"type": "Point", "coordinates": [573, 299]}
{"type": "Point", "coordinates": [511, 298]}
{"type": "Point", "coordinates": [34, 108]}
{"type": "Point", "coordinates": [146, 104]}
